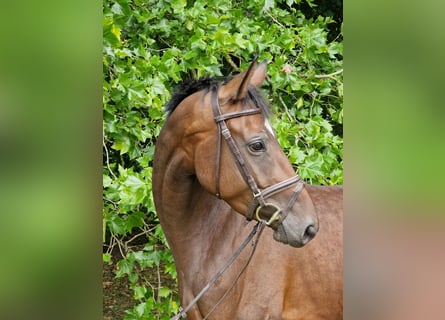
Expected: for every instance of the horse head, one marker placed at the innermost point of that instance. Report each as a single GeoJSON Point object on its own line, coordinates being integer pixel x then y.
{"type": "Point", "coordinates": [238, 158]}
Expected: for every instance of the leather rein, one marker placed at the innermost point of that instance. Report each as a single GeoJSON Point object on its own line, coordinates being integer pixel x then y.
{"type": "Point", "coordinates": [257, 204]}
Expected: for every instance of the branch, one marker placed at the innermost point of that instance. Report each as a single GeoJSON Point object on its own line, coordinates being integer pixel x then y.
{"type": "Point", "coordinates": [275, 20]}
{"type": "Point", "coordinates": [108, 158]}
{"type": "Point", "coordinates": [331, 75]}
{"type": "Point", "coordinates": [230, 61]}
{"type": "Point", "coordinates": [285, 107]}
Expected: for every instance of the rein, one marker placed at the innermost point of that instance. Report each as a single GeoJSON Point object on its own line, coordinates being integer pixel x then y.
{"type": "Point", "coordinates": [257, 204]}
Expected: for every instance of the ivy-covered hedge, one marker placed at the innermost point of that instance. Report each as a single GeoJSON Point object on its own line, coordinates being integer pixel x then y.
{"type": "Point", "coordinates": [149, 46]}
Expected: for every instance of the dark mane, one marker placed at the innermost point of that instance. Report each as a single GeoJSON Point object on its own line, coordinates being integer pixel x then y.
{"type": "Point", "coordinates": [188, 87]}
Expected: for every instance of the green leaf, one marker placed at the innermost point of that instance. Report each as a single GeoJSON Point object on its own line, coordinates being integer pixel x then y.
{"type": "Point", "coordinates": [164, 292]}
{"type": "Point", "coordinates": [135, 220]}
{"type": "Point", "coordinates": [268, 4]}
{"type": "Point", "coordinates": [139, 292]}
{"type": "Point", "coordinates": [124, 267]}
{"type": "Point", "coordinates": [140, 309]}
{"type": "Point", "coordinates": [299, 103]}
{"type": "Point", "coordinates": [122, 144]}
{"type": "Point", "coordinates": [134, 182]}
{"type": "Point", "coordinates": [106, 181]}
{"type": "Point", "coordinates": [106, 257]}
{"type": "Point", "coordinates": [116, 31]}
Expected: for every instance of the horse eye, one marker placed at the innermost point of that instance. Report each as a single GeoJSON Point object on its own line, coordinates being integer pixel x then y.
{"type": "Point", "coordinates": [257, 146]}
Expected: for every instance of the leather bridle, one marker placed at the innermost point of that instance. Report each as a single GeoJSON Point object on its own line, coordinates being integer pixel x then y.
{"type": "Point", "coordinates": [258, 204]}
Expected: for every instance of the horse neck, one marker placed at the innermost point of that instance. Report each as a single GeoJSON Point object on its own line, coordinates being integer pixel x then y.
{"type": "Point", "coordinates": [194, 221]}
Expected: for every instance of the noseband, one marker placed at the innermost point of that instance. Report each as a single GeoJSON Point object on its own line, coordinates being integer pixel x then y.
{"type": "Point", "coordinates": [258, 203]}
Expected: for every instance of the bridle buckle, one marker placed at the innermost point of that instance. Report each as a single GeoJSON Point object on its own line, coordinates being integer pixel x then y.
{"type": "Point", "coordinates": [275, 216]}
{"type": "Point", "coordinates": [256, 195]}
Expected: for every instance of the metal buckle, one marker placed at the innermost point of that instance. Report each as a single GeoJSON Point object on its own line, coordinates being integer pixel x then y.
{"type": "Point", "coordinates": [256, 195]}
{"type": "Point", "coordinates": [275, 216]}
{"type": "Point", "coordinates": [226, 133]}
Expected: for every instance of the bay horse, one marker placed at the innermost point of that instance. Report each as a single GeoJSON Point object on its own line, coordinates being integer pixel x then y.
{"type": "Point", "coordinates": [217, 162]}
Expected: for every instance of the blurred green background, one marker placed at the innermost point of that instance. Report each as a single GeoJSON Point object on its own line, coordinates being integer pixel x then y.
{"type": "Point", "coordinates": [50, 151]}
{"type": "Point", "coordinates": [394, 70]}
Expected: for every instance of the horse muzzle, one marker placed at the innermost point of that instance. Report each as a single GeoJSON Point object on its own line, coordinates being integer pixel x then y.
{"type": "Point", "coordinates": [297, 237]}
{"type": "Point", "coordinates": [290, 227]}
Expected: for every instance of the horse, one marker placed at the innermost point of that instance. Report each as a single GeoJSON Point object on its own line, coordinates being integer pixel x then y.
{"type": "Point", "coordinates": [218, 172]}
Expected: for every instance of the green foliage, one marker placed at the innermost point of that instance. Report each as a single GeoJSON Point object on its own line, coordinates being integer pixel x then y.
{"type": "Point", "coordinates": [149, 46]}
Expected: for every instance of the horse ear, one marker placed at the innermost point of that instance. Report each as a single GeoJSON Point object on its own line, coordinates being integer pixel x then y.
{"type": "Point", "coordinates": [259, 75]}
{"type": "Point", "coordinates": [236, 88]}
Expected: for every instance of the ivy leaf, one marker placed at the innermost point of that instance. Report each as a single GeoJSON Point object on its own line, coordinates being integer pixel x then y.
{"type": "Point", "coordinates": [139, 292]}
{"type": "Point", "coordinates": [106, 181]}
{"type": "Point", "coordinates": [268, 4]}
{"type": "Point", "coordinates": [164, 292]}
{"type": "Point", "coordinates": [116, 31]}
{"type": "Point", "coordinates": [134, 220]}
{"type": "Point", "coordinates": [106, 257]}
{"type": "Point", "coordinates": [299, 103]}
{"type": "Point", "coordinates": [134, 182]}
{"type": "Point", "coordinates": [122, 144]}
{"type": "Point", "coordinates": [123, 267]}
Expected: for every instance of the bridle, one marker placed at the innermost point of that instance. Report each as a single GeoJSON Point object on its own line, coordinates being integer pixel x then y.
{"type": "Point", "coordinates": [257, 204]}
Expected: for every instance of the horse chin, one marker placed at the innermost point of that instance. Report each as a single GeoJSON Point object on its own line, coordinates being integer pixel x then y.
{"type": "Point", "coordinates": [280, 235]}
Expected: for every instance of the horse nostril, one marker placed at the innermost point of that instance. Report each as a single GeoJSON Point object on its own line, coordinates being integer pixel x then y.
{"type": "Point", "coordinates": [309, 233]}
